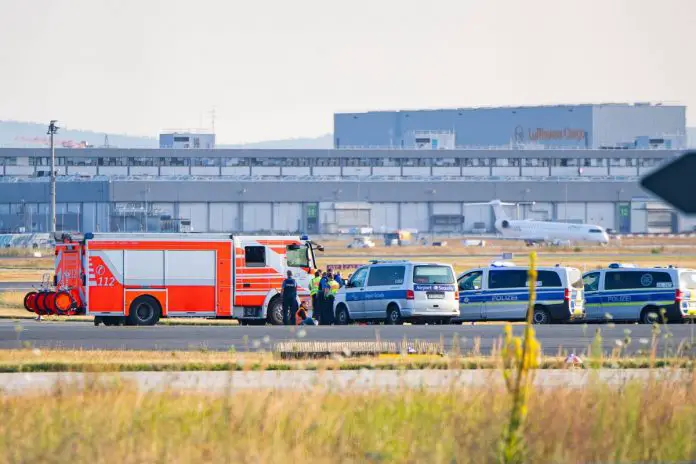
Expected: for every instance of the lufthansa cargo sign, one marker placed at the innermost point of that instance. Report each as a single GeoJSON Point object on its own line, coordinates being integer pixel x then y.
{"type": "Point", "coordinates": [540, 134]}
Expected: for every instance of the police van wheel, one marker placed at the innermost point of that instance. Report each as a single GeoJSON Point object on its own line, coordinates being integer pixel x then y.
{"type": "Point", "coordinates": [275, 311]}
{"type": "Point", "coordinates": [541, 316]}
{"type": "Point", "coordinates": [342, 317]}
{"type": "Point", "coordinates": [393, 316]}
{"type": "Point", "coordinates": [650, 315]}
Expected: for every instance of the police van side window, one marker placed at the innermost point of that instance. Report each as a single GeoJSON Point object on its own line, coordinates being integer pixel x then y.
{"type": "Point", "coordinates": [548, 279]}
{"type": "Point", "coordinates": [507, 279]}
{"type": "Point", "coordinates": [470, 281]}
{"type": "Point", "coordinates": [591, 282]}
{"type": "Point", "coordinates": [358, 279]}
{"type": "Point", "coordinates": [624, 280]}
{"type": "Point", "coordinates": [386, 275]}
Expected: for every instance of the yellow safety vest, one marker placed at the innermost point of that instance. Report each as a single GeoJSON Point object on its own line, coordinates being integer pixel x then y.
{"type": "Point", "coordinates": [314, 285]}
{"type": "Point", "coordinates": [333, 286]}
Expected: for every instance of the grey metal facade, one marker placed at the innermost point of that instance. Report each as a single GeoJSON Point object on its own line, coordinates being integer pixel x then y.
{"type": "Point", "coordinates": [560, 126]}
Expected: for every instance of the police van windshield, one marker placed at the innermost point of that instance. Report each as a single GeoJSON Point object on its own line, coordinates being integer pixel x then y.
{"type": "Point", "coordinates": [687, 279]}
{"type": "Point", "coordinates": [299, 256]}
{"type": "Point", "coordinates": [575, 278]}
{"type": "Point", "coordinates": [433, 274]}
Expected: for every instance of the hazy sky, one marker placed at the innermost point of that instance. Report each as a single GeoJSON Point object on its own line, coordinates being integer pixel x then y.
{"type": "Point", "coordinates": [278, 69]}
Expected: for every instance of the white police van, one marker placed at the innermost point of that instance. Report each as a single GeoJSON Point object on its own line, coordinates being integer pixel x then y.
{"type": "Point", "coordinates": [397, 291]}
{"type": "Point", "coordinates": [624, 292]}
{"type": "Point", "coordinates": [500, 292]}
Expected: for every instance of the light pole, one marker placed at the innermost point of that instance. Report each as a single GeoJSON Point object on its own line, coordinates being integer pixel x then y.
{"type": "Point", "coordinates": [52, 130]}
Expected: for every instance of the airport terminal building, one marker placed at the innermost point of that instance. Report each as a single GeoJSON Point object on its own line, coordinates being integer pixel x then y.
{"type": "Point", "coordinates": [328, 191]}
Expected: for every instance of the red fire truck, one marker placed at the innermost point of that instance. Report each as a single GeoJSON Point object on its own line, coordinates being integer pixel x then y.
{"type": "Point", "coordinates": [135, 279]}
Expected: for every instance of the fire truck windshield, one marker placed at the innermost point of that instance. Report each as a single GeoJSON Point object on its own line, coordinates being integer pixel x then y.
{"type": "Point", "coordinates": [299, 256]}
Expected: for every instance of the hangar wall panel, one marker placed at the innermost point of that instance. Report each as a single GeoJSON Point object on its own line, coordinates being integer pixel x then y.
{"type": "Point", "coordinates": [197, 213]}
{"type": "Point", "coordinates": [236, 171]}
{"type": "Point", "coordinates": [452, 171]}
{"type": "Point", "coordinates": [386, 171]}
{"type": "Point", "coordinates": [144, 170]}
{"type": "Point", "coordinates": [224, 217]}
{"type": "Point", "coordinates": [537, 212]}
{"type": "Point", "coordinates": [508, 171]}
{"type": "Point", "coordinates": [296, 171]}
{"type": "Point", "coordinates": [416, 171]}
{"type": "Point", "coordinates": [384, 217]}
{"type": "Point", "coordinates": [256, 217]}
{"type": "Point", "coordinates": [88, 170]}
{"type": "Point", "coordinates": [356, 171]}
{"type": "Point", "coordinates": [414, 216]}
{"type": "Point", "coordinates": [265, 171]}
{"type": "Point", "coordinates": [571, 212]}
{"type": "Point", "coordinates": [113, 170]}
{"type": "Point", "coordinates": [326, 171]}
{"type": "Point", "coordinates": [447, 208]}
{"type": "Point", "coordinates": [477, 213]}
{"type": "Point", "coordinates": [174, 170]}
{"type": "Point", "coordinates": [287, 217]}
{"type": "Point", "coordinates": [205, 171]}
{"type": "Point", "coordinates": [602, 214]}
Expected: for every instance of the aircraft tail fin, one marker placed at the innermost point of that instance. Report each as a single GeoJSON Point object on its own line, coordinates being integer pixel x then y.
{"type": "Point", "coordinates": [498, 210]}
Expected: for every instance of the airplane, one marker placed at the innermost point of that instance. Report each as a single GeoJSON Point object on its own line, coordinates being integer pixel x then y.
{"type": "Point", "coordinates": [539, 232]}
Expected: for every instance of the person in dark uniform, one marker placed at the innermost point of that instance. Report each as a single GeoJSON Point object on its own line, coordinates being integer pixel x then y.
{"type": "Point", "coordinates": [288, 293]}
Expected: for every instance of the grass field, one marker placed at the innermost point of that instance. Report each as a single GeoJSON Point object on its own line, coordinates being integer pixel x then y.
{"type": "Point", "coordinates": [650, 422]}
{"type": "Point", "coordinates": [238, 359]}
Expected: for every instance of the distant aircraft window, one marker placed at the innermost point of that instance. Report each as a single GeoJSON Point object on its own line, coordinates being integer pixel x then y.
{"type": "Point", "coordinates": [595, 231]}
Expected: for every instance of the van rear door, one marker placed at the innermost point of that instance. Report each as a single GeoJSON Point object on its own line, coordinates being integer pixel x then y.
{"type": "Point", "coordinates": [433, 283]}
{"type": "Point", "coordinates": [687, 285]}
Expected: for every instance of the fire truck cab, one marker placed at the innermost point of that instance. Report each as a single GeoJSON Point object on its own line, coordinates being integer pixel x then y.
{"type": "Point", "coordinates": [136, 279]}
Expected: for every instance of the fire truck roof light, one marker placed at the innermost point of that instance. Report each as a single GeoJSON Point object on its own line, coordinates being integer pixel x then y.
{"type": "Point", "coordinates": [89, 236]}
{"type": "Point", "coordinates": [304, 237]}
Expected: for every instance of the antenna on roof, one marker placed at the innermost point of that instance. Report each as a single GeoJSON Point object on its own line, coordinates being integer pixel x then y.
{"type": "Point", "coordinates": [212, 119]}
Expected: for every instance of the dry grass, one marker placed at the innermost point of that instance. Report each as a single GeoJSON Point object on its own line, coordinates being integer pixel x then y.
{"type": "Point", "coordinates": [28, 263]}
{"type": "Point", "coordinates": [23, 275]}
{"type": "Point", "coordinates": [237, 358]}
{"type": "Point", "coordinates": [653, 422]}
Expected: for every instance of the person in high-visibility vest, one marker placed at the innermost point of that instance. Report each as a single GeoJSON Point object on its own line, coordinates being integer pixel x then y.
{"type": "Point", "coordinates": [329, 295]}
{"type": "Point", "coordinates": [314, 292]}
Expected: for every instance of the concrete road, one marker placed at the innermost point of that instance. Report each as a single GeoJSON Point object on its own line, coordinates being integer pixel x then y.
{"type": "Point", "coordinates": [17, 286]}
{"type": "Point", "coordinates": [81, 335]}
{"type": "Point", "coordinates": [222, 382]}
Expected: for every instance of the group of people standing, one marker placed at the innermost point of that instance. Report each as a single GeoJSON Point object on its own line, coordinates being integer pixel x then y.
{"type": "Point", "coordinates": [322, 288]}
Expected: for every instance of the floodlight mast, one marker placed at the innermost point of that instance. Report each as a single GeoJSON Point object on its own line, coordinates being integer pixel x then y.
{"type": "Point", "coordinates": [52, 130]}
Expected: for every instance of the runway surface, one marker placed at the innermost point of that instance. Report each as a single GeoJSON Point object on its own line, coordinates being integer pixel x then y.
{"type": "Point", "coordinates": [570, 338]}
{"type": "Point", "coordinates": [18, 286]}
{"type": "Point", "coordinates": [221, 382]}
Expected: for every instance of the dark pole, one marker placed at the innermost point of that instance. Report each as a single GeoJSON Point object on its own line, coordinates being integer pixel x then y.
{"type": "Point", "coordinates": [52, 130]}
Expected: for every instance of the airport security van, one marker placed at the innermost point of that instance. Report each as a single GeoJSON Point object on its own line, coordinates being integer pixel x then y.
{"type": "Point", "coordinates": [624, 292]}
{"type": "Point", "coordinates": [500, 292]}
{"type": "Point", "coordinates": [398, 291]}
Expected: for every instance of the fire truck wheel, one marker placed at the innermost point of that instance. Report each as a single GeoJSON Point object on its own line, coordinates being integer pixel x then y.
{"type": "Point", "coordinates": [144, 310]}
{"type": "Point", "coordinates": [275, 311]}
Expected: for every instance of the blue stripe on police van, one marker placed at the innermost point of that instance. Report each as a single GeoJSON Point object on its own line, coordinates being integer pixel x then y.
{"type": "Point", "coordinates": [551, 297]}
{"type": "Point", "coordinates": [368, 296]}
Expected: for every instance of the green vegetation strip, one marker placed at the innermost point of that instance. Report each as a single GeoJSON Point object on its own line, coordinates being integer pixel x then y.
{"type": "Point", "coordinates": [369, 364]}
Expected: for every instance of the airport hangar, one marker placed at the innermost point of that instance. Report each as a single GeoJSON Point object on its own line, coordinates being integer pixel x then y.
{"type": "Point", "coordinates": [586, 126]}
{"type": "Point", "coordinates": [329, 191]}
